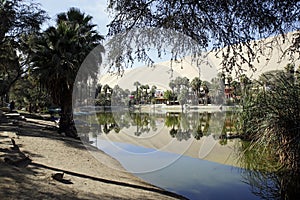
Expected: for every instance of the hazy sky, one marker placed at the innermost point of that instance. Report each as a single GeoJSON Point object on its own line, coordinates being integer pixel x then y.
{"type": "Point", "coordinates": [95, 8]}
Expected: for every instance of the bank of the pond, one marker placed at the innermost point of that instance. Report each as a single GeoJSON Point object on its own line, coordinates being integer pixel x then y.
{"type": "Point", "coordinates": [84, 176]}
{"type": "Point", "coordinates": [159, 108]}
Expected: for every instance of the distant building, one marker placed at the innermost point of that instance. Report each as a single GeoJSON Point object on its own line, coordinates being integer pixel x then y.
{"type": "Point", "coordinates": [229, 92]}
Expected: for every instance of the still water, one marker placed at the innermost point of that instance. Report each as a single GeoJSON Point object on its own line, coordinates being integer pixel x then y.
{"type": "Point", "coordinates": [191, 177]}
{"type": "Point", "coordinates": [186, 153]}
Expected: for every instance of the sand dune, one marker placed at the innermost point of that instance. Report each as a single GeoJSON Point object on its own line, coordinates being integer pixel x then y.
{"type": "Point", "coordinates": [162, 72]}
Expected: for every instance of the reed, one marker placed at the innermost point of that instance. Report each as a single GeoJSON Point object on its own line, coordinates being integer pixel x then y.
{"type": "Point", "coordinates": [271, 118]}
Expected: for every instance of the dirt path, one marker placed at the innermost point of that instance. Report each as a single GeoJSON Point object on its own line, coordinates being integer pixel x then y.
{"type": "Point", "coordinates": [84, 176]}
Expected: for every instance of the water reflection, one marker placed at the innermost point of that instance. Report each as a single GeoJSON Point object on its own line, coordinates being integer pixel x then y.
{"type": "Point", "coordinates": [273, 185]}
{"type": "Point", "coordinates": [265, 176]}
{"type": "Point", "coordinates": [182, 126]}
{"type": "Point", "coordinates": [196, 134]}
{"type": "Point", "coordinates": [139, 141]}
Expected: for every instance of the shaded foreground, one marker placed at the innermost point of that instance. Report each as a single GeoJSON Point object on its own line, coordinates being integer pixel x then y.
{"type": "Point", "coordinates": [84, 176]}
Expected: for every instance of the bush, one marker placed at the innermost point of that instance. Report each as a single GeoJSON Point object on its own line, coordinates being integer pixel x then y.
{"type": "Point", "coordinates": [271, 117]}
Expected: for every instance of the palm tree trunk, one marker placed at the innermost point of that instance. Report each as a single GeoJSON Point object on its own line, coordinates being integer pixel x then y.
{"type": "Point", "coordinates": [66, 123]}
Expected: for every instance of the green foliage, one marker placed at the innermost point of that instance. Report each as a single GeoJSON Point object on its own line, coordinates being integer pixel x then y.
{"type": "Point", "coordinates": [104, 97]}
{"type": "Point", "coordinates": [58, 52]}
{"type": "Point", "coordinates": [180, 87]}
{"type": "Point", "coordinates": [56, 57]}
{"type": "Point", "coordinates": [168, 94]}
{"type": "Point", "coordinates": [28, 91]}
{"type": "Point", "coordinates": [183, 96]}
{"type": "Point", "coordinates": [197, 133]}
{"type": "Point", "coordinates": [195, 86]}
{"type": "Point", "coordinates": [258, 157]}
{"type": "Point", "coordinates": [18, 19]}
{"type": "Point", "coordinates": [271, 117]}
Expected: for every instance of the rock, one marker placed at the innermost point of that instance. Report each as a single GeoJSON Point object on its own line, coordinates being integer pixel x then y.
{"type": "Point", "coordinates": [58, 176]}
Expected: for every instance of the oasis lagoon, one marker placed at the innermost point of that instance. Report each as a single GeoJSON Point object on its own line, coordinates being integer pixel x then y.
{"type": "Point", "coordinates": [194, 154]}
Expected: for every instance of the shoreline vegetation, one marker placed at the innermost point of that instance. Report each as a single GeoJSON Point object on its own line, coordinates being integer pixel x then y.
{"type": "Point", "coordinates": [170, 108]}
{"type": "Point", "coordinates": [34, 138]}
{"type": "Point", "coordinates": [165, 109]}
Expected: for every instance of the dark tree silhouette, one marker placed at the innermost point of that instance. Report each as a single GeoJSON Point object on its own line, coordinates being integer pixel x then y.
{"type": "Point", "coordinates": [18, 19]}
{"type": "Point", "coordinates": [57, 55]}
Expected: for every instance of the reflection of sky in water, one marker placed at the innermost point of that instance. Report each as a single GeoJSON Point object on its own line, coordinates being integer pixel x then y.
{"type": "Point", "coordinates": [137, 159]}
{"type": "Point", "coordinates": [191, 177]}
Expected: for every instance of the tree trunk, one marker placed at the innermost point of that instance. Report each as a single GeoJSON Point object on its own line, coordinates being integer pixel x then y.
{"type": "Point", "coordinates": [66, 123]}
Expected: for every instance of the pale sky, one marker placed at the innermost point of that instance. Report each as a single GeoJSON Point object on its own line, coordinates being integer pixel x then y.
{"type": "Point", "coordinates": [95, 8]}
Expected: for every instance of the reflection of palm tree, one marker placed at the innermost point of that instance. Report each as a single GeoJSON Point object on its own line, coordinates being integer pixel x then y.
{"type": "Point", "coordinates": [206, 127]}
{"type": "Point", "coordinates": [137, 121]}
{"type": "Point", "coordinates": [145, 129]}
{"type": "Point", "coordinates": [223, 141]}
{"type": "Point", "coordinates": [184, 122]}
{"type": "Point", "coordinates": [197, 133]}
{"type": "Point", "coordinates": [182, 135]}
{"type": "Point", "coordinates": [172, 120]}
{"type": "Point", "coordinates": [137, 132]}
{"type": "Point", "coordinates": [153, 123]}
{"type": "Point", "coordinates": [116, 128]}
{"type": "Point", "coordinates": [173, 132]}
{"type": "Point", "coordinates": [106, 129]}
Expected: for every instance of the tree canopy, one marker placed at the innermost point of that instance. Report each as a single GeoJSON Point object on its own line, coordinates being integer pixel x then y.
{"type": "Point", "coordinates": [212, 25]}
{"type": "Point", "coordinates": [57, 55]}
{"type": "Point", "coordinates": [18, 19]}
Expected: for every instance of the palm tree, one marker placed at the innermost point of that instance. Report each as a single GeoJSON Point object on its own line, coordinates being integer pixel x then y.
{"type": "Point", "coordinates": [142, 97]}
{"type": "Point", "coordinates": [172, 85]}
{"type": "Point", "coordinates": [146, 88]}
{"type": "Point", "coordinates": [196, 85]}
{"type": "Point", "coordinates": [106, 88]}
{"type": "Point", "coordinates": [137, 84]}
{"type": "Point", "coordinates": [56, 58]}
{"type": "Point", "coordinates": [153, 91]}
{"type": "Point", "coordinates": [168, 94]}
{"type": "Point", "coordinates": [98, 90]}
{"type": "Point", "coordinates": [107, 94]}
{"type": "Point", "coordinates": [245, 81]}
{"type": "Point", "coordinates": [205, 86]}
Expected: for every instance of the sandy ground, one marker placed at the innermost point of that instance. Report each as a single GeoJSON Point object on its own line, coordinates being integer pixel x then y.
{"type": "Point", "coordinates": [84, 176]}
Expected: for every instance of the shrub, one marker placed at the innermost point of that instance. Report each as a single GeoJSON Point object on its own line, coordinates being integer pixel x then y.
{"type": "Point", "coordinates": [271, 117]}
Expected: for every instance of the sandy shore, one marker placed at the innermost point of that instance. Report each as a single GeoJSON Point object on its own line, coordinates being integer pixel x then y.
{"type": "Point", "coordinates": [84, 176]}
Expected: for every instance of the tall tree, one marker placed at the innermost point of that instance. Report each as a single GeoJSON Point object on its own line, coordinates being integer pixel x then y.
{"type": "Point", "coordinates": [168, 94]}
{"type": "Point", "coordinates": [18, 19]}
{"type": "Point", "coordinates": [233, 24]}
{"type": "Point", "coordinates": [172, 85]}
{"type": "Point", "coordinates": [205, 85]}
{"type": "Point", "coordinates": [27, 92]}
{"type": "Point", "coordinates": [57, 55]}
{"type": "Point", "coordinates": [195, 85]}
{"type": "Point", "coordinates": [152, 92]}
{"type": "Point", "coordinates": [137, 85]}
{"type": "Point", "coordinates": [146, 87]}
